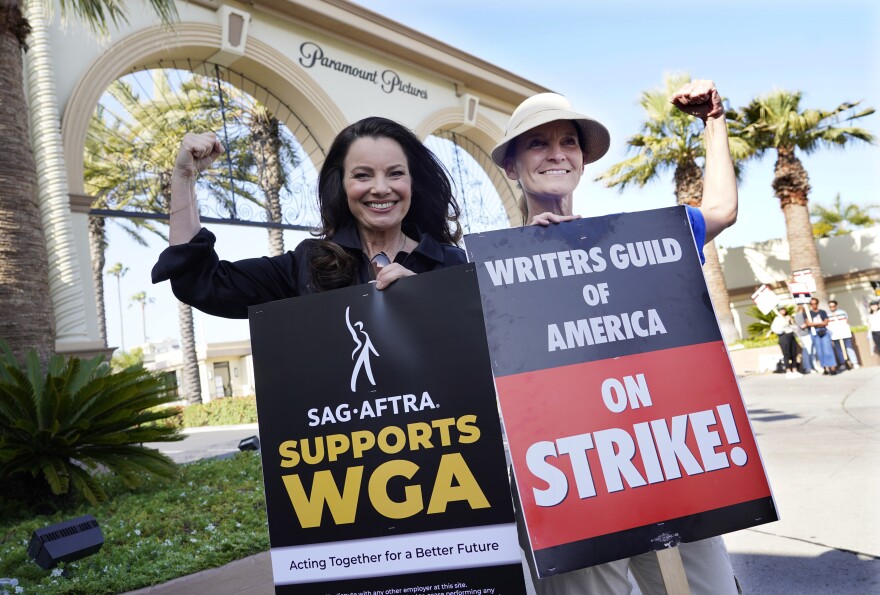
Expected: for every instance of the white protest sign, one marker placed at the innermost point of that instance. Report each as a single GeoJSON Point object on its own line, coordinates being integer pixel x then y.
{"type": "Point", "coordinates": [800, 292]}
{"type": "Point", "coordinates": [765, 299]}
{"type": "Point", "coordinates": [838, 326]}
{"type": "Point", "coordinates": [805, 276]}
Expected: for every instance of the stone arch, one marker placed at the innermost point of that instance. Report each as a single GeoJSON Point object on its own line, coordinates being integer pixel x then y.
{"type": "Point", "coordinates": [262, 63]}
{"type": "Point", "coordinates": [485, 135]}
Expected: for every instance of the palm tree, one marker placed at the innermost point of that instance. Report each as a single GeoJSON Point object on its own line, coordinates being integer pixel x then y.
{"type": "Point", "coordinates": [776, 122]}
{"type": "Point", "coordinates": [265, 131]}
{"type": "Point", "coordinates": [119, 271]}
{"type": "Point", "coordinates": [128, 161]}
{"type": "Point", "coordinates": [112, 187]}
{"type": "Point", "coordinates": [142, 299]}
{"type": "Point", "coordinates": [263, 151]}
{"type": "Point", "coordinates": [130, 154]}
{"type": "Point", "coordinates": [24, 268]}
{"type": "Point", "coordinates": [671, 139]}
{"type": "Point", "coordinates": [839, 218]}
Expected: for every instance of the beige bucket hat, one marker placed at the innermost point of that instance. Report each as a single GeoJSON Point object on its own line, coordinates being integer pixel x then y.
{"type": "Point", "coordinates": [547, 107]}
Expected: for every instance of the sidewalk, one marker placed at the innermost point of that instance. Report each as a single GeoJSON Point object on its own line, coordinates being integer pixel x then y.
{"type": "Point", "coordinates": [820, 441]}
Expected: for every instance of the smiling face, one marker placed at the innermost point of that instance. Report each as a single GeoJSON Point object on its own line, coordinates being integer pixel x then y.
{"type": "Point", "coordinates": [377, 183]}
{"type": "Point", "coordinates": [547, 160]}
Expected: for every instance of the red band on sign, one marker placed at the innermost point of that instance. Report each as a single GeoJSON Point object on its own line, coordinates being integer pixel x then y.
{"type": "Point", "coordinates": [609, 445]}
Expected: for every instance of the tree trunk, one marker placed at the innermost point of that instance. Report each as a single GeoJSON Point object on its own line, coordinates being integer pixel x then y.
{"type": "Point", "coordinates": [97, 250]}
{"type": "Point", "coordinates": [266, 132]}
{"type": "Point", "coordinates": [28, 321]}
{"type": "Point", "coordinates": [689, 191]}
{"type": "Point", "coordinates": [718, 292]}
{"type": "Point", "coordinates": [192, 384]}
{"type": "Point", "coordinates": [791, 185]}
{"type": "Point", "coordinates": [802, 245]}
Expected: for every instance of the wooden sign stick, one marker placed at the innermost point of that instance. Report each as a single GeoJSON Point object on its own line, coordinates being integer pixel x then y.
{"type": "Point", "coordinates": [672, 569]}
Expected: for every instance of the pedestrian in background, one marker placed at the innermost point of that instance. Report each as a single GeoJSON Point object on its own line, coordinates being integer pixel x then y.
{"type": "Point", "coordinates": [846, 341]}
{"type": "Point", "coordinates": [817, 321]}
{"type": "Point", "coordinates": [806, 339]}
{"type": "Point", "coordinates": [784, 327]}
{"type": "Point", "coordinates": [874, 326]}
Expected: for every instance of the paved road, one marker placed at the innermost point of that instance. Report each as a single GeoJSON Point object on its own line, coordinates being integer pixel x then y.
{"type": "Point", "coordinates": [820, 441]}
{"type": "Point", "coordinates": [201, 443]}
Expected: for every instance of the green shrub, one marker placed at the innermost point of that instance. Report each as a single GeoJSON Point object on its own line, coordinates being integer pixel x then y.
{"type": "Point", "coordinates": [61, 425]}
{"type": "Point", "coordinates": [127, 359]}
{"type": "Point", "coordinates": [754, 343]}
{"type": "Point", "coordinates": [221, 412]}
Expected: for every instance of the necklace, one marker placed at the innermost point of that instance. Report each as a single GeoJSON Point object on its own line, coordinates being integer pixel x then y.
{"type": "Point", "coordinates": [381, 260]}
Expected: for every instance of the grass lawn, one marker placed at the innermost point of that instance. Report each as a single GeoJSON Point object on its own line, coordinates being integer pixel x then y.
{"type": "Point", "coordinates": [211, 513]}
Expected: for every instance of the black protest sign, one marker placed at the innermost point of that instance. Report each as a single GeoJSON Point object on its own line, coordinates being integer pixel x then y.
{"type": "Point", "coordinates": [382, 453]}
{"type": "Point", "coordinates": [626, 428]}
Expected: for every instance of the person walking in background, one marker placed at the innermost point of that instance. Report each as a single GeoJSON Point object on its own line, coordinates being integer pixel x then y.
{"type": "Point", "coordinates": [845, 341]}
{"type": "Point", "coordinates": [806, 339]}
{"type": "Point", "coordinates": [817, 321]}
{"type": "Point", "coordinates": [784, 327]}
{"type": "Point", "coordinates": [874, 326]}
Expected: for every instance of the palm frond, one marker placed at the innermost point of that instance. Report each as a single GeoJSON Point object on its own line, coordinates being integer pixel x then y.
{"type": "Point", "coordinates": [99, 14]}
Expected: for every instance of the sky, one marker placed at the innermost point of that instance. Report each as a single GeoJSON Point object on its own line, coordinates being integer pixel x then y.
{"type": "Point", "coordinates": [602, 54]}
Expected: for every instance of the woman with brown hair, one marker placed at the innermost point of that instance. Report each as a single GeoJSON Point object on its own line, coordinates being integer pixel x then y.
{"type": "Point", "coordinates": [387, 211]}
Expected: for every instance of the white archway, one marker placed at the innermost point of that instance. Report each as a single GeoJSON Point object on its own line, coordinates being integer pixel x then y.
{"type": "Point", "coordinates": [484, 135]}
{"type": "Point", "coordinates": [194, 41]}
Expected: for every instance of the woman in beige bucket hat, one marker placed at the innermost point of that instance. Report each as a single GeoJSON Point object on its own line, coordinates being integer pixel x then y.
{"type": "Point", "coordinates": [545, 149]}
{"type": "Point", "coordinates": [541, 134]}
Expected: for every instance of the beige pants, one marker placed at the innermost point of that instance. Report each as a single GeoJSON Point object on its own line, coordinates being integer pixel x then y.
{"type": "Point", "coordinates": [706, 564]}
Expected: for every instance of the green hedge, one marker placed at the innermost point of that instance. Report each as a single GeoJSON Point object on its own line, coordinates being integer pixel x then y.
{"type": "Point", "coordinates": [761, 342]}
{"type": "Point", "coordinates": [221, 412]}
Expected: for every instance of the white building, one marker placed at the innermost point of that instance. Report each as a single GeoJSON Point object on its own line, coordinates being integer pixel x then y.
{"type": "Point", "coordinates": [226, 369]}
{"type": "Point", "coordinates": [849, 263]}
{"type": "Point", "coordinates": [332, 62]}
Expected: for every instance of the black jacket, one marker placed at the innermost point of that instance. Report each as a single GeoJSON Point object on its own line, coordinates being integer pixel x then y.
{"type": "Point", "coordinates": [221, 288]}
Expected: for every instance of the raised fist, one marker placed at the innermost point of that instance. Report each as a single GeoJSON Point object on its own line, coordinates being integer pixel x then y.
{"type": "Point", "coordinates": [699, 98]}
{"type": "Point", "coordinates": [197, 152]}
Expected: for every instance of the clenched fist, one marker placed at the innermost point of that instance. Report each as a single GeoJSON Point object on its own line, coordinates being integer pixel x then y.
{"type": "Point", "coordinates": [699, 98]}
{"type": "Point", "coordinates": [197, 153]}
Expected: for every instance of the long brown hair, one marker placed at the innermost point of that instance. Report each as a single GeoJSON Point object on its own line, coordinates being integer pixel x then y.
{"type": "Point", "coordinates": [433, 209]}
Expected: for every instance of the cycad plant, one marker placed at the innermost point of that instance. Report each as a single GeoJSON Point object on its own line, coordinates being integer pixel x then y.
{"type": "Point", "coordinates": [760, 328]}
{"type": "Point", "coordinates": [62, 425]}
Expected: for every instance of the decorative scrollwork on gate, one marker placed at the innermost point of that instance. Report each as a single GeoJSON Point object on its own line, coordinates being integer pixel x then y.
{"type": "Point", "coordinates": [470, 168]}
{"type": "Point", "coordinates": [265, 178]}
